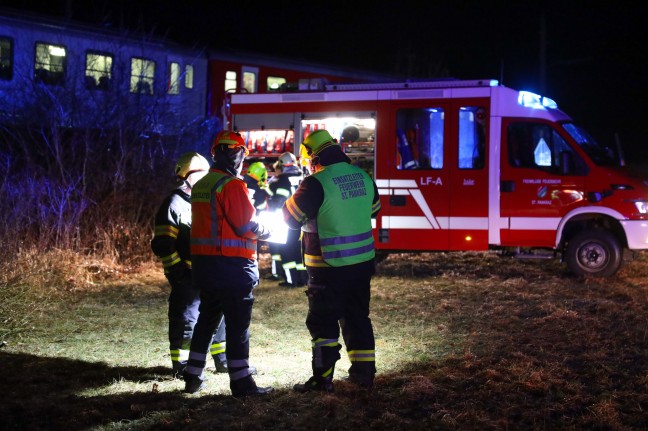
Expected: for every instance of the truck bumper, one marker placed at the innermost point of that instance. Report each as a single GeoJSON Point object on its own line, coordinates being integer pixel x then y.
{"type": "Point", "coordinates": [637, 233]}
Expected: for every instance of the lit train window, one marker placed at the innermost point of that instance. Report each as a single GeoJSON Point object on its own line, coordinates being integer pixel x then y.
{"type": "Point", "coordinates": [249, 82]}
{"type": "Point", "coordinates": [275, 83]}
{"type": "Point", "coordinates": [142, 76]}
{"type": "Point", "coordinates": [98, 70]}
{"type": "Point", "coordinates": [230, 80]}
{"type": "Point", "coordinates": [49, 64]}
{"type": "Point", "coordinates": [189, 76]}
{"type": "Point", "coordinates": [173, 83]}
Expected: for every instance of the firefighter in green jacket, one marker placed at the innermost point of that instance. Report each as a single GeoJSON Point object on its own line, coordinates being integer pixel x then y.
{"type": "Point", "coordinates": [334, 207]}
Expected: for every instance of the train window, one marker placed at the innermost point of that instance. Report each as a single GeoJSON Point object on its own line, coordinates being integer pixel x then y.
{"type": "Point", "coordinates": [189, 76]}
{"type": "Point", "coordinates": [142, 76]}
{"type": "Point", "coordinates": [173, 84]}
{"type": "Point", "coordinates": [249, 82]}
{"type": "Point", "coordinates": [98, 70]}
{"type": "Point", "coordinates": [49, 64]}
{"type": "Point", "coordinates": [6, 58]}
{"type": "Point", "coordinates": [230, 80]}
{"type": "Point", "coordinates": [275, 83]}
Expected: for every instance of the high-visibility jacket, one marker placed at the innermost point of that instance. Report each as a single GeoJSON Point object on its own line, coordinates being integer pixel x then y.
{"type": "Point", "coordinates": [343, 220]}
{"type": "Point", "coordinates": [170, 242]}
{"type": "Point", "coordinates": [222, 217]}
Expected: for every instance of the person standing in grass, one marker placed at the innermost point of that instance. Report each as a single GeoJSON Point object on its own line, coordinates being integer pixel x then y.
{"type": "Point", "coordinates": [334, 207]}
{"type": "Point", "coordinates": [282, 186]}
{"type": "Point", "coordinates": [224, 237]}
{"type": "Point", "coordinates": [170, 244]}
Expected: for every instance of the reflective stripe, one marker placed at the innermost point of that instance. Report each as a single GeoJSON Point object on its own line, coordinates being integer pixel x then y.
{"type": "Point", "coordinates": [170, 260]}
{"type": "Point", "coordinates": [349, 252]}
{"type": "Point", "coordinates": [313, 260]}
{"type": "Point", "coordinates": [294, 210]}
{"type": "Point", "coordinates": [375, 208]}
{"type": "Point", "coordinates": [283, 192]}
{"type": "Point", "coordinates": [217, 348]}
{"type": "Point", "coordinates": [289, 265]}
{"type": "Point", "coordinates": [232, 243]}
{"type": "Point", "coordinates": [233, 364]}
{"type": "Point", "coordinates": [166, 230]}
{"type": "Point", "coordinates": [240, 374]}
{"type": "Point", "coordinates": [325, 342]}
{"type": "Point", "coordinates": [179, 355]}
{"type": "Point", "coordinates": [362, 355]}
{"type": "Point", "coordinates": [345, 239]}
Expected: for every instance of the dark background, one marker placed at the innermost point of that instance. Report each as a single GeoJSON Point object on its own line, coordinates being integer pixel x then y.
{"type": "Point", "coordinates": [590, 57]}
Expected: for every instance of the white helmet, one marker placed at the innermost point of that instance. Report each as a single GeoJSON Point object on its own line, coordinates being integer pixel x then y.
{"type": "Point", "coordinates": [189, 163]}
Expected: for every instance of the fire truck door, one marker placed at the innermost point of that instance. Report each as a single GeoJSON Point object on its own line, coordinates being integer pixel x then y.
{"type": "Point", "coordinates": [412, 179]}
{"type": "Point", "coordinates": [542, 178]}
{"type": "Point", "coordinates": [468, 179]}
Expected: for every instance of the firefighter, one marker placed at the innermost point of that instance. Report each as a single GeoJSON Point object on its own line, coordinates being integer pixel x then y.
{"type": "Point", "coordinates": [334, 207]}
{"type": "Point", "coordinates": [282, 187]}
{"type": "Point", "coordinates": [171, 245]}
{"type": "Point", "coordinates": [256, 179]}
{"type": "Point", "coordinates": [223, 250]}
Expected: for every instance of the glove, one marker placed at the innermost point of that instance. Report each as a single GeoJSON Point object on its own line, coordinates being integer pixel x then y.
{"type": "Point", "coordinates": [180, 273]}
{"type": "Point", "coordinates": [262, 232]}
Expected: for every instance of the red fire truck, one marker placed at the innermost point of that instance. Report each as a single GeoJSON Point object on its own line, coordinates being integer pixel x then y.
{"type": "Point", "coordinates": [468, 165]}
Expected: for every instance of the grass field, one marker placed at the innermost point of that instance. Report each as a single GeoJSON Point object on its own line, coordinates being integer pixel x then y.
{"type": "Point", "coordinates": [465, 341]}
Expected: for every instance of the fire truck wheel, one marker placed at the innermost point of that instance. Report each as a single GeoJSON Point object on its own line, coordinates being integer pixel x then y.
{"type": "Point", "coordinates": [595, 253]}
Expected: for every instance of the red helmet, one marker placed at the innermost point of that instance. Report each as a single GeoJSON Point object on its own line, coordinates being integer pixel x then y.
{"type": "Point", "coordinates": [231, 140]}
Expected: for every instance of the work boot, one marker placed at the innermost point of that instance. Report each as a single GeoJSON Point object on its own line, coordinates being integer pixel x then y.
{"type": "Point", "coordinates": [221, 367]}
{"type": "Point", "coordinates": [193, 383]}
{"type": "Point", "coordinates": [319, 384]}
{"type": "Point", "coordinates": [247, 387]}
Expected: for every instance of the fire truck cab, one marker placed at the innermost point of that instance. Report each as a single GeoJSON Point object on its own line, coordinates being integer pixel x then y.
{"type": "Point", "coordinates": [467, 165]}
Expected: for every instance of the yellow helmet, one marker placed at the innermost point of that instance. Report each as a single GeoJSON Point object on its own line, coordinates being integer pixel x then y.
{"type": "Point", "coordinates": [257, 170]}
{"type": "Point", "coordinates": [318, 141]}
{"type": "Point", "coordinates": [189, 163]}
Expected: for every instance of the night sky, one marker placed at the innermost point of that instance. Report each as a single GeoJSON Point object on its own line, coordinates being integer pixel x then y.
{"type": "Point", "coordinates": [596, 55]}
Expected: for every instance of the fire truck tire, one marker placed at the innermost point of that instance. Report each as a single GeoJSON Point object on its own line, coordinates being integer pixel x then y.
{"type": "Point", "coordinates": [596, 253]}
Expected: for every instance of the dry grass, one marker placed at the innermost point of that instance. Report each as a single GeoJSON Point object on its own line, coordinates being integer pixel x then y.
{"type": "Point", "coordinates": [465, 341]}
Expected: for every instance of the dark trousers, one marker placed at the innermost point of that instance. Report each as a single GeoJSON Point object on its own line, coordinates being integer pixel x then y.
{"type": "Point", "coordinates": [338, 300]}
{"type": "Point", "coordinates": [291, 257]}
{"type": "Point", "coordinates": [228, 297]}
{"type": "Point", "coordinates": [184, 302]}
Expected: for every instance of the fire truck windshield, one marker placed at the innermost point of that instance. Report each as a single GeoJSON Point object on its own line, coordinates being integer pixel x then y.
{"type": "Point", "coordinates": [600, 154]}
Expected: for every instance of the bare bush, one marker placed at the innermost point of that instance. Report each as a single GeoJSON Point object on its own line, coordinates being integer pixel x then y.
{"type": "Point", "coordinates": [87, 174]}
